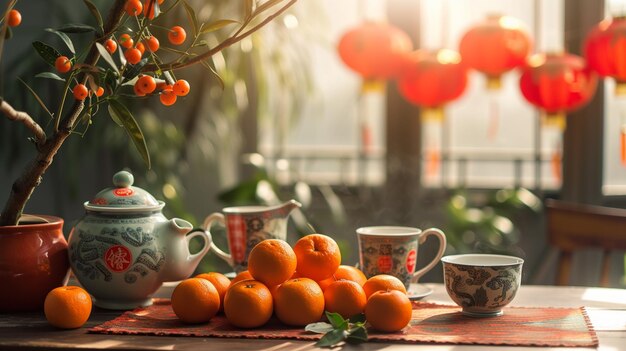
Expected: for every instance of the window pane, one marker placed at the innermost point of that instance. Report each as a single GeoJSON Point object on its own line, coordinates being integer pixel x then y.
{"type": "Point", "coordinates": [491, 136]}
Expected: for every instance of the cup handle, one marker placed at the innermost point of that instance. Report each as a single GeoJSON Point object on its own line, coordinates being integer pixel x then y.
{"type": "Point", "coordinates": [208, 222]}
{"type": "Point", "coordinates": [442, 247]}
{"type": "Point", "coordinates": [207, 243]}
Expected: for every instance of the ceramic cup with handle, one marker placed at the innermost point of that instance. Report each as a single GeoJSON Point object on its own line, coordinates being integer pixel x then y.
{"type": "Point", "coordinates": [246, 226]}
{"type": "Point", "coordinates": [393, 250]}
{"type": "Point", "coordinates": [482, 284]}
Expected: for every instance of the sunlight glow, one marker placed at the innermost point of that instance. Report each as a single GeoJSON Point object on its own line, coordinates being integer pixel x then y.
{"type": "Point", "coordinates": [446, 56]}
{"type": "Point", "coordinates": [604, 295]}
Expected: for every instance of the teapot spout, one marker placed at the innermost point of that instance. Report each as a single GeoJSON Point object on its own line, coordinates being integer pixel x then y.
{"type": "Point", "coordinates": [179, 226]}
{"type": "Point", "coordinates": [182, 263]}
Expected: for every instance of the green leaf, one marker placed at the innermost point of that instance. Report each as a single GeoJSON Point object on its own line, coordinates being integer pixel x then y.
{"type": "Point", "coordinates": [64, 37]}
{"type": "Point", "coordinates": [200, 43]}
{"type": "Point", "coordinates": [46, 52]}
{"type": "Point", "coordinates": [210, 68]}
{"type": "Point", "coordinates": [332, 338]}
{"type": "Point", "coordinates": [107, 57]}
{"type": "Point", "coordinates": [36, 97]}
{"type": "Point", "coordinates": [94, 11]}
{"type": "Point", "coordinates": [215, 25]}
{"type": "Point", "coordinates": [266, 5]}
{"type": "Point", "coordinates": [249, 7]}
{"type": "Point", "coordinates": [49, 75]}
{"type": "Point", "coordinates": [319, 328]}
{"type": "Point", "coordinates": [76, 28]}
{"type": "Point", "coordinates": [8, 34]}
{"type": "Point", "coordinates": [357, 335]}
{"type": "Point", "coordinates": [336, 320]}
{"type": "Point", "coordinates": [191, 14]}
{"type": "Point", "coordinates": [133, 71]}
{"type": "Point", "coordinates": [121, 114]}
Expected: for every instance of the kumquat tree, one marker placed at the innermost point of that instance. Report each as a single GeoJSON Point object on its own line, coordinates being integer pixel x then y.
{"type": "Point", "coordinates": [130, 55]}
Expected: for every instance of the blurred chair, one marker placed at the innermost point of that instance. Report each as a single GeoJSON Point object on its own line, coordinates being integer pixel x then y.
{"type": "Point", "coordinates": [574, 227]}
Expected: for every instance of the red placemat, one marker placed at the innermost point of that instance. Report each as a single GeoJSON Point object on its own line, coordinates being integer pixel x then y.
{"type": "Point", "coordinates": [431, 323]}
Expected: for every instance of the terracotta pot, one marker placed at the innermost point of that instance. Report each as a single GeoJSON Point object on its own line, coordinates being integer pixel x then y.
{"type": "Point", "coordinates": [33, 261]}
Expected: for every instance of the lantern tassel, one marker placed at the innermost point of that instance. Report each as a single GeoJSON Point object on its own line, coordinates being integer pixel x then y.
{"type": "Point", "coordinates": [494, 115]}
{"type": "Point", "coordinates": [622, 139]}
{"type": "Point", "coordinates": [556, 163]}
{"type": "Point", "coordinates": [433, 161]}
{"type": "Point", "coordinates": [366, 138]}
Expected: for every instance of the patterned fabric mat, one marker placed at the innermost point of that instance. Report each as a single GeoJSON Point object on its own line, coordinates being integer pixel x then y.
{"type": "Point", "coordinates": [431, 323]}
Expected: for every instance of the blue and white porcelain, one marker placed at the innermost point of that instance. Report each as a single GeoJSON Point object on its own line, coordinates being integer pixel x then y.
{"type": "Point", "coordinates": [124, 248]}
{"type": "Point", "coordinates": [482, 284]}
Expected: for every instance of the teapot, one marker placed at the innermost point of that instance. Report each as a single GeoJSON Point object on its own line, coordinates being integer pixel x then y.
{"type": "Point", "coordinates": [123, 249]}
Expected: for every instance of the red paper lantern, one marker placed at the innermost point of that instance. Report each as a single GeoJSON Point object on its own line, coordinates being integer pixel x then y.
{"type": "Point", "coordinates": [495, 46]}
{"type": "Point", "coordinates": [605, 51]}
{"type": "Point", "coordinates": [432, 78]}
{"type": "Point", "coordinates": [557, 83]}
{"type": "Point", "coordinates": [373, 49]}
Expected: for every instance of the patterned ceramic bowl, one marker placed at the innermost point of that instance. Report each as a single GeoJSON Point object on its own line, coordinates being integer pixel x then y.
{"type": "Point", "coordinates": [482, 284]}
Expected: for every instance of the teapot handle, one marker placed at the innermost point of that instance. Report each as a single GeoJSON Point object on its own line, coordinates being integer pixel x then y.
{"type": "Point", "coordinates": [208, 222]}
{"type": "Point", "coordinates": [207, 242]}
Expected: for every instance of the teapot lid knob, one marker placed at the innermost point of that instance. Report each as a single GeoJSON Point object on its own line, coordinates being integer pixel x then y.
{"type": "Point", "coordinates": [123, 179]}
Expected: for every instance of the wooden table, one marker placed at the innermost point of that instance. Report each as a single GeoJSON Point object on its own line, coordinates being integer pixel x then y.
{"type": "Point", "coordinates": [31, 331]}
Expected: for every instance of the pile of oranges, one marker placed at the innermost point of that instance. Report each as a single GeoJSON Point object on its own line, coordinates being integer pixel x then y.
{"type": "Point", "coordinates": [296, 285]}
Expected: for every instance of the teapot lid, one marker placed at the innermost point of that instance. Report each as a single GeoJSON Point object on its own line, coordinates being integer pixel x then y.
{"type": "Point", "coordinates": [124, 197]}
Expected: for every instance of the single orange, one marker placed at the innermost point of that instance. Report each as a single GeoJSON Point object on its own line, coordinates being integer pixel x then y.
{"type": "Point", "coordinates": [137, 90]}
{"type": "Point", "coordinates": [181, 87]}
{"type": "Point", "coordinates": [177, 35]}
{"type": "Point", "coordinates": [133, 7]}
{"type": "Point", "coordinates": [383, 282]}
{"type": "Point", "coordinates": [80, 92]}
{"type": "Point", "coordinates": [318, 256]}
{"type": "Point", "coordinates": [344, 272]}
{"type": "Point", "coordinates": [63, 64]}
{"type": "Point", "coordinates": [243, 275]}
{"type": "Point", "coordinates": [388, 311]}
{"type": "Point", "coordinates": [146, 84]}
{"type": "Point", "coordinates": [99, 91]}
{"type": "Point", "coordinates": [350, 273]}
{"type": "Point", "coordinates": [67, 307]}
{"type": "Point", "coordinates": [152, 43]}
{"type": "Point", "coordinates": [133, 55]}
{"type": "Point", "coordinates": [324, 284]}
{"type": "Point", "coordinates": [126, 41]}
{"type": "Point", "coordinates": [195, 300]}
{"type": "Point", "coordinates": [219, 281]}
{"type": "Point", "coordinates": [142, 48]}
{"type": "Point", "coordinates": [167, 97]}
{"type": "Point", "coordinates": [272, 261]}
{"type": "Point", "coordinates": [248, 304]}
{"type": "Point", "coordinates": [299, 302]}
{"type": "Point", "coordinates": [345, 297]}
{"type": "Point", "coordinates": [110, 45]}
{"type": "Point", "coordinates": [14, 18]}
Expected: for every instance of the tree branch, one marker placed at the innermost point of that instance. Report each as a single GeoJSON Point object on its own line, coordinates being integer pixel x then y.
{"type": "Point", "coordinates": [114, 17]}
{"type": "Point", "coordinates": [21, 116]}
{"type": "Point", "coordinates": [32, 175]}
{"type": "Point", "coordinates": [223, 45]}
